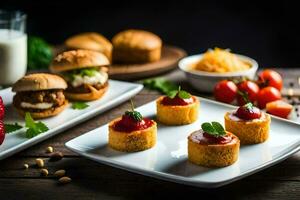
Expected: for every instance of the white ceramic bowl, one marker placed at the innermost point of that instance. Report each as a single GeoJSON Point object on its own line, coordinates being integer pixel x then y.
{"type": "Point", "coordinates": [205, 81]}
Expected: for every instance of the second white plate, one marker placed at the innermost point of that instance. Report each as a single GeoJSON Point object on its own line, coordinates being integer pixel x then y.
{"type": "Point", "coordinates": [168, 159]}
{"type": "Point", "coordinates": [117, 93]}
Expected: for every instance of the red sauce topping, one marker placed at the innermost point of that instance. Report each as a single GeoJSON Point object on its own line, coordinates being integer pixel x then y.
{"type": "Point", "coordinates": [177, 101]}
{"type": "Point", "coordinates": [205, 138]}
{"type": "Point", "coordinates": [217, 140]}
{"type": "Point", "coordinates": [128, 124]}
{"type": "Point", "coordinates": [248, 113]}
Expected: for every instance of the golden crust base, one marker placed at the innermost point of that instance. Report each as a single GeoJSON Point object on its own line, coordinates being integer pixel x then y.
{"type": "Point", "coordinates": [213, 155]}
{"type": "Point", "coordinates": [249, 132]}
{"type": "Point", "coordinates": [93, 95]}
{"type": "Point", "coordinates": [177, 115]}
{"type": "Point", "coordinates": [133, 141]}
{"type": "Point", "coordinates": [44, 114]}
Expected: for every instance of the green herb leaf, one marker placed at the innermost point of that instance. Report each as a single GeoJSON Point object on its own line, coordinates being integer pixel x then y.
{"type": "Point", "coordinates": [244, 95]}
{"type": "Point", "coordinates": [39, 53]}
{"type": "Point", "coordinates": [181, 94]}
{"type": "Point", "coordinates": [79, 105]}
{"type": "Point", "coordinates": [137, 116]}
{"type": "Point", "coordinates": [249, 106]}
{"type": "Point", "coordinates": [215, 129]}
{"type": "Point", "coordinates": [160, 84]}
{"type": "Point", "coordinates": [9, 128]}
{"type": "Point", "coordinates": [208, 128]}
{"type": "Point", "coordinates": [91, 71]}
{"type": "Point", "coordinates": [172, 94]}
{"type": "Point", "coordinates": [88, 72]}
{"type": "Point", "coordinates": [219, 128]}
{"type": "Point", "coordinates": [34, 128]}
{"type": "Point", "coordinates": [184, 94]}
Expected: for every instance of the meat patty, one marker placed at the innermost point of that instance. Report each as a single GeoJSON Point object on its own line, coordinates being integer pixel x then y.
{"type": "Point", "coordinates": [56, 97]}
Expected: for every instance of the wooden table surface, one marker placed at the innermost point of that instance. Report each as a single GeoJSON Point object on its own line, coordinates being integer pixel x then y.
{"type": "Point", "coordinates": [91, 180]}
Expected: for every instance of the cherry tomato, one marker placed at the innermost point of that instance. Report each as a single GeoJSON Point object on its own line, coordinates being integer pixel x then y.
{"type": "Point", "coordinates": [225, 91]}
{"type": "Point", "coordinates": [279, 108]}
{"type": "Point", "coordinates": [270, 78]}
{"type": "Point", "coordinates": [266, 95]}
{"type": "Point", "coordinates": [250, 88]}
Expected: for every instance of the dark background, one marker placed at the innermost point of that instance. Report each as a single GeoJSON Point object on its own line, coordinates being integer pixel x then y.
{"type": "Point", "coordinates": [267, 32]}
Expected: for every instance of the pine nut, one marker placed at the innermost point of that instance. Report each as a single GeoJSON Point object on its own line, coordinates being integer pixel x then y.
{"type": "Point", "coordinates": [39, 162]}
{"type": "Point", "coordinates": [26, 166]}
{"type": "Point", "coordinates": [64, 180]}
{"type": "Point", "coordinates": [60, 173]}
{"type": "Point", "coordinates": [56, 156]}
{"type": "Point", "coordinates": [44, 172]}
{"type": "Point", "coordinates": [49, 149]}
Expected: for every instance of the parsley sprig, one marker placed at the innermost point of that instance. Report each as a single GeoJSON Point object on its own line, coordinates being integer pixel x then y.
{"type": "Point", "coordinates": [33, 128]}
{"type": "Point", "coordinates": [9, 128]}
{"type": "Point", "coordinates": [163, 85]}
{"type": "Point", "coordinates": [79, 105]}
{"type": "Point", "coordinates": [137, 116]}
{"type": "Point", "coordinates": [214, 128]}
{"type": "Point", "coordinates": [180, 93]}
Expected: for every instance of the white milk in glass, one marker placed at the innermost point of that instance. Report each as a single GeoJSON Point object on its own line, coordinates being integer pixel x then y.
{"type": "Point", "coordinates": [13, 56]}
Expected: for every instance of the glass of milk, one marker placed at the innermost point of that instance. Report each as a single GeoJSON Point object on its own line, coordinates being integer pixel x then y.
{"type": "Point", "coordinates": [13, 46]}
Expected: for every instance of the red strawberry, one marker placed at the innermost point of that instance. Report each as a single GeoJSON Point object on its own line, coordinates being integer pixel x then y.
{"type": "Point", "coordinates": [2, 109]}
{"type": "Point", "coordinates": [2, 132]}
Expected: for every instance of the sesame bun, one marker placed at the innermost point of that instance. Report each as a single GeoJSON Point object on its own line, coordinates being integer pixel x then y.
{"type": "Point", "coordinates": [94, 94]}
{"type": "Point", "coordinates": [39, 81]}
{"type": "Point", "coordinates": [77, 59]}
{"type": "Point", "coordinates": [45, 113]}
{"type": "Point", "coordinates": [90, 41]}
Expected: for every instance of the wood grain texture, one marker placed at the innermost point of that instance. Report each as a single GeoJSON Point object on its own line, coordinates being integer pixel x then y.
{"type": "Point", "coordinates": [91, 180]}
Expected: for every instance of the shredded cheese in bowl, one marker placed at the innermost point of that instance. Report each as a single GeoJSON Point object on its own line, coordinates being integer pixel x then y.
{"type": "Point", "coordinates": [220, 61]}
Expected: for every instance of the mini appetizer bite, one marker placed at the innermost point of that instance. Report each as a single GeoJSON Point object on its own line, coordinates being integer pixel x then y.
{"type": "Point", "coordinates": [178, 108]}
{"type": "Point", "coordinates": [212, 146]}
{"type": "Point", "coordinates": [41, 94]}
{"type": "Point", "coordinates": [85, 72]}
{"type": "Point", "coordinates": [249, 124]}
{"type": "Point", "coordinates": [132, 132]}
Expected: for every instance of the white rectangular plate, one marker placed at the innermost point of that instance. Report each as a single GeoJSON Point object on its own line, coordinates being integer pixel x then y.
{"type": "Point", "coordinates": [168, 159]}
{"type": "Point", "coordinates": [117, 93]}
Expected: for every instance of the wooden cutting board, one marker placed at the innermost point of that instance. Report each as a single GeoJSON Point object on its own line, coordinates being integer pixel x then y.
{"type": "Point", "coordinates": [169, 60]}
